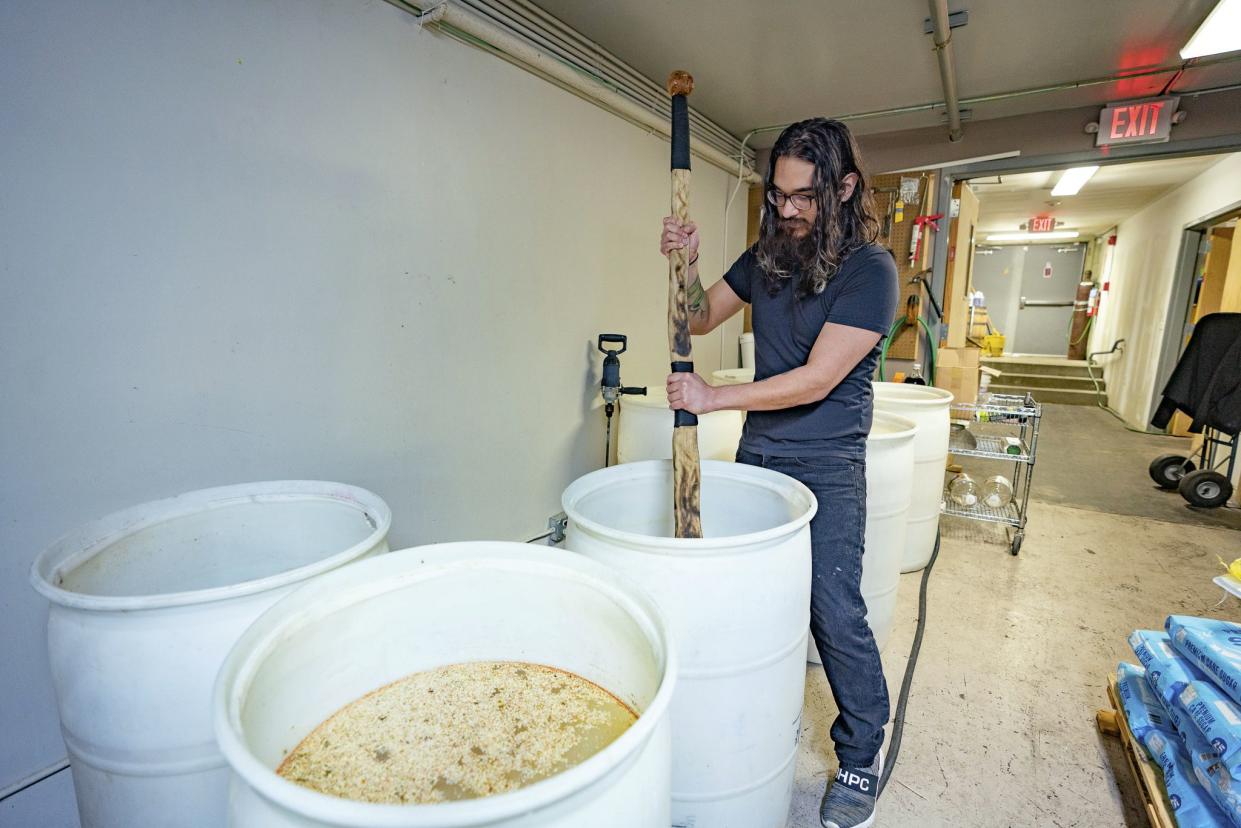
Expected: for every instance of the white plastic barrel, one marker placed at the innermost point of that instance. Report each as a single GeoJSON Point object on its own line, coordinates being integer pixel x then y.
{"type": "Point", "coordinates": [145, 605]}
{"type": "Point", "coordinates": [367, 625]}
{"type": "Point", "coordinates": [732, 376]}
{"type": "Point", "coordinates": [646, 430]}
{"type": "Point", "coordinates": [746, 341]}
{"type": "Point", "coordinates": [928, 407]}
{"type": "Point", "coordinates": [889, 486]}
{"type": "Point", "coordinates": [738, 605]}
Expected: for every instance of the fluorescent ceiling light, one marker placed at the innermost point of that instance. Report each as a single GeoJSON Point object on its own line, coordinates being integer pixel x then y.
{"type": "Point", "coordinates": [1054, 235]}
{"type": "Point", "coordinates": [960, 162]}
{"type": "Point", "coordinates": [1073, 180]}
{"type": "Point", "coordinates": [1220, 32]}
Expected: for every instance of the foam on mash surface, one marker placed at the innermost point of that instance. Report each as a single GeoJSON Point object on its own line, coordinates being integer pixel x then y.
{"type": "Point", "coordinates": [458, 732]}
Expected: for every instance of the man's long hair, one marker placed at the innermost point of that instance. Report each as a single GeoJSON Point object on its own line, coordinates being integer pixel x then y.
{"type": "Point", "coordinates": [840, 227]}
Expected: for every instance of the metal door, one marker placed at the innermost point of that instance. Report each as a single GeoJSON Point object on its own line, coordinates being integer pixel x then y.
{"type": "Point", "coordinates": [1049, 280]}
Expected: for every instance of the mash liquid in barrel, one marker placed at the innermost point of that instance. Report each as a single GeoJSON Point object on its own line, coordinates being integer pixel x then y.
{"type": "Point", "coordinates": [458, 732]}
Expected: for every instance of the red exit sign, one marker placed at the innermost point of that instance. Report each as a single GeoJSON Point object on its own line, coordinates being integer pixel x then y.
{"type": "Point", "coordinates": [1137, 122]}
{"type": "Point", "coordinates": [1041, 224]}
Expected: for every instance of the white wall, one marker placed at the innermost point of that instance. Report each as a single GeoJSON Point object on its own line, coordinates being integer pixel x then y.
{"type": "Point", "coordinates": [304, 239]}
{"type": "Point", "coordinates": [1143, 273]}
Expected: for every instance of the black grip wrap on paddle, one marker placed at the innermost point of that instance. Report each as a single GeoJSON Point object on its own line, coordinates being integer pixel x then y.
{"type": "Point", "coordinates": [680, 133]}
{"type": "Point", "coordinates": [681, 417]}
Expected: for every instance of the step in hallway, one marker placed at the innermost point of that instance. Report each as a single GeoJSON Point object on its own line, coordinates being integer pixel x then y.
{"type": "Point", "coordinates": [1049, 379]}
{"type": "Point", "coordinates": [1000, 727]}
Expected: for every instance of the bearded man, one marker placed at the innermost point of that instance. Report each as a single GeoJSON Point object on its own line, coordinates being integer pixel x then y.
{"type": "Point", "coordinates": [823, 294]}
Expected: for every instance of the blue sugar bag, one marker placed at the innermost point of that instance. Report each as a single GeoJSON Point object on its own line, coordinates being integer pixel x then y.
{"type": "Point", "coordinates": [1217, 719]}
{"type": "Point", "coordinates": [1214, 646]}
{"type": "Point", "coordinates": [1211, 774]}
{"type": "Point", "coordinates": [1166, 671]}
{"type": "Point", "coordinates": [1191, 803]}
{"type": "Point", "coordinates": [1143, 709]}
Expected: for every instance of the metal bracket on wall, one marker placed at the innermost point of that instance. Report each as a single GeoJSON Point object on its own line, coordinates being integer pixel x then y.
{"type": "Point", "coordinates": [558, 523]}
{"type": "Point", "coordinates": [956, 20]}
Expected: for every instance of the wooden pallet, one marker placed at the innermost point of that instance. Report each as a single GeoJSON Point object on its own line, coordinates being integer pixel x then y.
{"type": "Point", "coordinates": [1146, 774]}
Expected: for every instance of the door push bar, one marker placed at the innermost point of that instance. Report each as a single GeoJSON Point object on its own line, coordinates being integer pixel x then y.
{"type": "Point", "coordinates": [1042, 303]}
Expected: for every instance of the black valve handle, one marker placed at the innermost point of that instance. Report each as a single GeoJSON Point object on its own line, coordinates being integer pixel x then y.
{"type": "Point", "coordinates": [620, 339]}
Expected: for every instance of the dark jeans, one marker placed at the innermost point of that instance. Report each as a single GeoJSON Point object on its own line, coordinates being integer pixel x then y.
{"type": "Point", "coordinates": [837, 611]}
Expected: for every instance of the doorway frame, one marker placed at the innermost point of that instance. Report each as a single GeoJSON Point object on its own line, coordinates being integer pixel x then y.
{"type": "Point", "coordinates": [950, 175]}
{"type": "Point", "coordinates": [1177, 322]}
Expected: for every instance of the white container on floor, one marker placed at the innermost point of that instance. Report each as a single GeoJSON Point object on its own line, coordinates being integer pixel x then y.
{"type": "Point", "coordinates": [367, 625]}
{"type": "Point", "coordinates": [145, 605]}
{"type": "Point", "coordinates": [738, 605]}
{"type": "Point", "coordinates": [732, 376]}
{"type": "Point", "coordinates": [929, 408]}
{"type": "Point", "coordinates": [746, 341]}
{"type": "Point", "coordinates": [645, 430]}
{"type": "Point", "coordinates": [889, 486]}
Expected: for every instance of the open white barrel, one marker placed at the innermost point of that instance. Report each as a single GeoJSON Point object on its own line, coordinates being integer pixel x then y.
{"type": "Point", "coordinates": [889, 489]}
{"type": "Point", "coordinates": [646, 430]}
{"type": "Point", "coordinates": [738, 605]}
{"type": "Point", "coordinates": [367, 625]}
{"type": "Point", "coordinates": [889, 485]}
{"type": "Point", "coordinates": [929, 408]}
{"type": "Point", "coordinates": [145, 605]}
{"type": "Point", "coordinates": [732, 376]}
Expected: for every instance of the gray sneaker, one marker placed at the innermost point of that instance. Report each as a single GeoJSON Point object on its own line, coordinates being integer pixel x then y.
{"type": "Point", "coordinates": [849, 801]}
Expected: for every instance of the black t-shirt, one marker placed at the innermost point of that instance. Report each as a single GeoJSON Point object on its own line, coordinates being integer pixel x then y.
{"type": "Point", "coordinates": [862, 294]}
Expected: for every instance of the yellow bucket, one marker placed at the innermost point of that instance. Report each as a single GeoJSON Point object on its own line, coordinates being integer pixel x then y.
{"type": "Point", "coordinates": [993, 345]}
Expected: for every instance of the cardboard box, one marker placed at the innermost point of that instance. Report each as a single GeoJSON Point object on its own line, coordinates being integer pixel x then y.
{"type": "Point", "coordinates": [956, 370]}
{"type": "Point", "coordinates": [980, 324]}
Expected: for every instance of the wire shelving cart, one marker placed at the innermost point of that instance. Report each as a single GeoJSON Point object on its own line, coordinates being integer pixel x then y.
{"type": "Point", "coordinates": [1003, 428]}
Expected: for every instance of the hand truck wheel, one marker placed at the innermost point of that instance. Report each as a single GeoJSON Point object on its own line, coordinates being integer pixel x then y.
{"type": "Point", "coordinates": [1206, 488]}
{"type": "Point", "coordinates": [1168, 469]}
{"type": "Point", "coordinates": [1015, 546]}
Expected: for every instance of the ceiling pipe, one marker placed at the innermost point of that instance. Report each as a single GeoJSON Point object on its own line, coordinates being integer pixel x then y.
{"type": "Point", "coordinates": [1128, 74]}
{"type": "Point", "coordinates": [465, 25]}
{"type": "Point", "coordinates": [947, 65]}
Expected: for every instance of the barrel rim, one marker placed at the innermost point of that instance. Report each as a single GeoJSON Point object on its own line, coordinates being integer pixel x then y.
{"type": "Point", "coordinates": [909, 428]}
{"type": "Point", "coordinates": [322, 597]}
{"type": "Point", "coordinates": [79, 545]}
{"type": "Point", "coordinates": [922, 396]}
{"type": "Point", "coordinates": [766, 478]}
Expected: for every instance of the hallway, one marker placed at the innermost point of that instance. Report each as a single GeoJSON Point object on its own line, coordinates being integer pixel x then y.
{"type": "Point", "coordinates": [1000, 726]}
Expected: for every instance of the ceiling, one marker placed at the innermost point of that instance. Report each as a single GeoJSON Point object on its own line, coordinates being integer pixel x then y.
{"type": "Point", "coordinates": [1113, 194]}
{"type": "Point", "coordinates": [764, 63]}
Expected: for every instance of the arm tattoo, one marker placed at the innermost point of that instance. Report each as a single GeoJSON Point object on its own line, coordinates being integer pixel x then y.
{"type": "Point", "coordinates": [697, 298]}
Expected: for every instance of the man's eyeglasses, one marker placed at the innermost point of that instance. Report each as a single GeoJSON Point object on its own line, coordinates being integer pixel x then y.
{"type": "Point", "coordinates": [801, 201]}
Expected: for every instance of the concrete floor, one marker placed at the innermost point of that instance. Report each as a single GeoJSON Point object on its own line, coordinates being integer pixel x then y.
{"type": "Point", "coordinates": [1000, 724]}
{"type": "Point", "coordinates": [1080, 445]}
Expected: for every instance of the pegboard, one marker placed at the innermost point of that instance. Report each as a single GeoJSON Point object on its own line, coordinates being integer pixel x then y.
{"type": "Point", "coordinates": [907, 344]}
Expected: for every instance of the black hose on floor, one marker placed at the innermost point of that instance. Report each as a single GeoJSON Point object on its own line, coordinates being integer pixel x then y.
{"type": "Point", "coordinates": [34, 779]}
{"type": "Point", "coordinates": [898, 721]}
